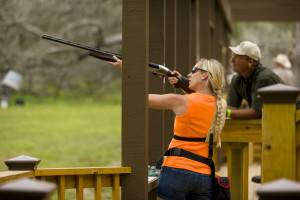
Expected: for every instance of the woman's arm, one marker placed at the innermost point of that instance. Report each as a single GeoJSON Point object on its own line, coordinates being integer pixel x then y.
{"type": "Point", "coordinates": [175, 102]}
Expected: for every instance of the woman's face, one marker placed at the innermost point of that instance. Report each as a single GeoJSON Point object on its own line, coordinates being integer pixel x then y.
{"type": "Point", "coordinates": [197, 77]}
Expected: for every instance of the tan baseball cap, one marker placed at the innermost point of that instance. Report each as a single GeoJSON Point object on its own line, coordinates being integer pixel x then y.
{"type": "Point", "coordinates": [247, 48]}
{"type": "Point", "coordinates": [283, 60]}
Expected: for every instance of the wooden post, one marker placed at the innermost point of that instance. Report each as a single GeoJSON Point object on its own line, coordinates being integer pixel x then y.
{"type": "Point", "coordinates": [22, 163]}
{"type": "Point", "coordinates": [25, 189]}
{"type": "Point", "coordinates": [193, 31]}
{"type": "Point", "coordinates": [183, 37]}
{"type": "Point", "coordinates": [156, 54]}
{"type": "Point", "coordinates": [298, 144]}
{"type": "Point", "coordinates": [170, 61]}
{"type": "Point", "coordinates": [279, 189]}
{"type": "Point", "coordinates": [278, 132]}
{"type": "Point", "coordinates": [238, 168]}
{"type": "Point", "coordinates": [204, 29]}
{"type": "Point", "coordinates": [213, 28]}
{"type": "Point", "coordinates": [135, 98]}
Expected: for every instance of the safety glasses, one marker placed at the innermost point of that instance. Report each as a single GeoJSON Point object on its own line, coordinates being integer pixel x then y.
{"type": "Point", "coordinates": [203, 69]}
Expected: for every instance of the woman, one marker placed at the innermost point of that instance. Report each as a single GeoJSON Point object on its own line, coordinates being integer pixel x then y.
{"type": "Point", "coordinates": [197, 114]}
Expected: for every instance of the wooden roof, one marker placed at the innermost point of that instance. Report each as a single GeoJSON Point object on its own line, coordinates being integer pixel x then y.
{"type": "Point", "coordinates": [265, 10]}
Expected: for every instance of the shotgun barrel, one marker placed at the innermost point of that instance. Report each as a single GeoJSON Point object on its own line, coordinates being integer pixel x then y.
{"type": "Point", "coordinates": [155, 68]}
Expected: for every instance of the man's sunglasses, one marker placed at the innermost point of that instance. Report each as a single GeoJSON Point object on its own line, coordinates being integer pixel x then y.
{"type": "Point", "coordinates": [195, 69]}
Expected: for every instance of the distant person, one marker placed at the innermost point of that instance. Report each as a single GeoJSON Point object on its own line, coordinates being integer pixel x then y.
{"type": "Point", "coordinates": [282, 67]}
{"type": "Point", "coordinates": [11, 82]}
{"type": "Point", "coordinates": [251, 76]}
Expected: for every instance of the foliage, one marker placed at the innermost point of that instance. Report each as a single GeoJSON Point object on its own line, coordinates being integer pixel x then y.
{"type": "Point", "coordinates": [51, 68]}
{"type": "Point", "coordinates": [272, 38]}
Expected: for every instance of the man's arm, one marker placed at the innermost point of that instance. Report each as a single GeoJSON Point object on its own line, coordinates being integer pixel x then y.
{"type": "Point", "coordinates": [244, 113]}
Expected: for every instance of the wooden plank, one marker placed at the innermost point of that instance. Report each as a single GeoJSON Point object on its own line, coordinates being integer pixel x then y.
{"type": "Point", "coordinates": [170, 60]}
{"type": "Point", "coordinates": [237, 162]}
{"type": "Point", "coordinates": [183, 37]}
{"type": "Point", "coordinates": [286, 14]}
{"type": "Point", "coordinates": [226, 12]}
{"type": "Point", "coordinates": [13, 175]}
{"type": "Point", "coordinates": [245, 170]}
{"type": "Point", "coordinates": [213, 28]}
{"type": "Point", "coordinates": [297, 115]}
{"type": "Point", "coordinates": [81, 171]}
{"type": "Point", "coordinates": [205, 40]}
{"type": "Point", "coordinates": [298, 151]}
{"type": "Point", "coordinates": [61, 182]}
{"type": "Point", "coordinates": [79, 187]}
{"type": "Point", "coordinates": [242, 131]}
{"type": "Point", "coordinates": [135, 135]}
{"type": "Point", "coordinates": [256, 10]}
{"type": "Point", "coordinates": [98, 187]}
{"type": "Point", "coordinates": [278, 137]}
{"type": "Point", "coordinates": [116, 187]}
{"type": "Point", "coordinates": [156, 86]}
{"type": "Point", "coordinates": [267, 4]}
{"type": "Point", "coordinates": [193, 31]}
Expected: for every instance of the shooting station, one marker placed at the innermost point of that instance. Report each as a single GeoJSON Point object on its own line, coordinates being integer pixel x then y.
{"type": "Point", "coordinates": [177, 33]}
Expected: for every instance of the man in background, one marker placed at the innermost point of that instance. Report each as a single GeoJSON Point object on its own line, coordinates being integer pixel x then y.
{"type": "Point", "coordinates": [250, 76]}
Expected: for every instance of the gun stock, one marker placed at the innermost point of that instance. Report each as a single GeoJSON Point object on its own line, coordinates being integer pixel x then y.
{"type": "Point", "coordinates": [155, 68]}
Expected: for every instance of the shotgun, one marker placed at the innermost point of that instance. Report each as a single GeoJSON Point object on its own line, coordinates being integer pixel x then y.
{"type": "Point", "coordinates": [155, 68]}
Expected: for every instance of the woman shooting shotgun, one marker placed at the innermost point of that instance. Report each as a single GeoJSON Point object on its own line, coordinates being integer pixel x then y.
{"type": "Point", "coordinates": [199, 116]}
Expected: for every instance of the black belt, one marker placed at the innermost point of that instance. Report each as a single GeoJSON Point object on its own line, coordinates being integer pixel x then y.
{"type": "Point", "coordinates": [187, 154]}
{"type": "Point", "coordinates": [183, 153]}
{"type": "Point", "coordinates": [188, 139]}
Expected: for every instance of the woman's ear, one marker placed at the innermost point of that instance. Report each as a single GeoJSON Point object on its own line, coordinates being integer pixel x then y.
{"type": "Point", "coordinates": [204, 75]}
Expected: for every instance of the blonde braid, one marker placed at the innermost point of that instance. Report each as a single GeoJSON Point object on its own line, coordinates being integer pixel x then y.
{"type": "Point", "coordinates": [220, 117]}
{"type": "Point", "coordinates": [216, 83]}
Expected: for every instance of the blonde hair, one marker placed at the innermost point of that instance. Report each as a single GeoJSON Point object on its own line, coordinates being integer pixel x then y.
{"type": "Point", "coordinates": [216, 84]}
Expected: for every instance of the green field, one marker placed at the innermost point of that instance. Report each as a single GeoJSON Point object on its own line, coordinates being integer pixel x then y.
{"type": "Point", "coordinates": [62, 134]}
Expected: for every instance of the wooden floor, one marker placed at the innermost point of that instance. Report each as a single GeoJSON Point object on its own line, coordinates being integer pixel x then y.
{"type": "Point", "coordinates": [254, 170]}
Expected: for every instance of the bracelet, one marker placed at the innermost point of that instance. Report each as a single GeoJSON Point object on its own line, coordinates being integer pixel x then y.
{"type": "Point", "coordinates": [228, 113]}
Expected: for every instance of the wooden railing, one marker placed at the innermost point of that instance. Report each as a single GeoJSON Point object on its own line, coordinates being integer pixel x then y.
{"type": "Point", "coordinates": [298, 144]}
{"type": "Point", "coordinates": [75, 178]}
{"type": "Point", "coordinates": [237, 137]}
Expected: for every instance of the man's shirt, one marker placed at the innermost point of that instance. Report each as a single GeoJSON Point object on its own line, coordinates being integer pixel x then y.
{"type": "Point", "coordinates": [241, 88]}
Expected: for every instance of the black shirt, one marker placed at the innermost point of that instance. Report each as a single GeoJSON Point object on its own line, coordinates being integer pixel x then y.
{"type": "Point", "coordinates": [241, 88]}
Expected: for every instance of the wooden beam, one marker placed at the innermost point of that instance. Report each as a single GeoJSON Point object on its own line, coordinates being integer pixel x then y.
{"type": "Point", "coordinates": [135, 98]}
{"type": "Point", "coordinates": [267, 10]}
{"type": "Point", "coordinates": [205, 42]}
{"type": "Point", "coordinates": [170, 61]}
{"type": "Point", "coordinates": [226, 11]}
{"type": "Point", "coordinates": [156, 54]}
{"type": "Point", "coordinates": [183, 39]}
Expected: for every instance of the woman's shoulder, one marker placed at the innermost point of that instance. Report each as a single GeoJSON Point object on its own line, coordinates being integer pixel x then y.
{"type": "Point", "coordinates": [201, 97]}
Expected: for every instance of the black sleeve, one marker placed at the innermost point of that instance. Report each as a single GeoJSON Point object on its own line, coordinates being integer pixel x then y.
{"type": "Point", "coordinates": [233, 98]}
{"type": "Point", "coordinates": [256, 102]}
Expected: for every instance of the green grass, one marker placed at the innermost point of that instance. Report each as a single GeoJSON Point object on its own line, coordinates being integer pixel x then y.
{"type": "Point", "coordinates": [62, 134]}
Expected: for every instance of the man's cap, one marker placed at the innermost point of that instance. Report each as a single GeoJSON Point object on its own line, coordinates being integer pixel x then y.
{"type": "Point", "coordinates": [283, 60]}
{"type": "Point", "coordinates": [247, 48]}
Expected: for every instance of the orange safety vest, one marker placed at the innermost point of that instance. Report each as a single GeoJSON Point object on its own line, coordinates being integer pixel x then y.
{"type": "Point", "coordinates": [194, 123]}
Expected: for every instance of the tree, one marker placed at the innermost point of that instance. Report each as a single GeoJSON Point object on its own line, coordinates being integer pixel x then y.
{"type": "Point", "coordinates": [51, 68]}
